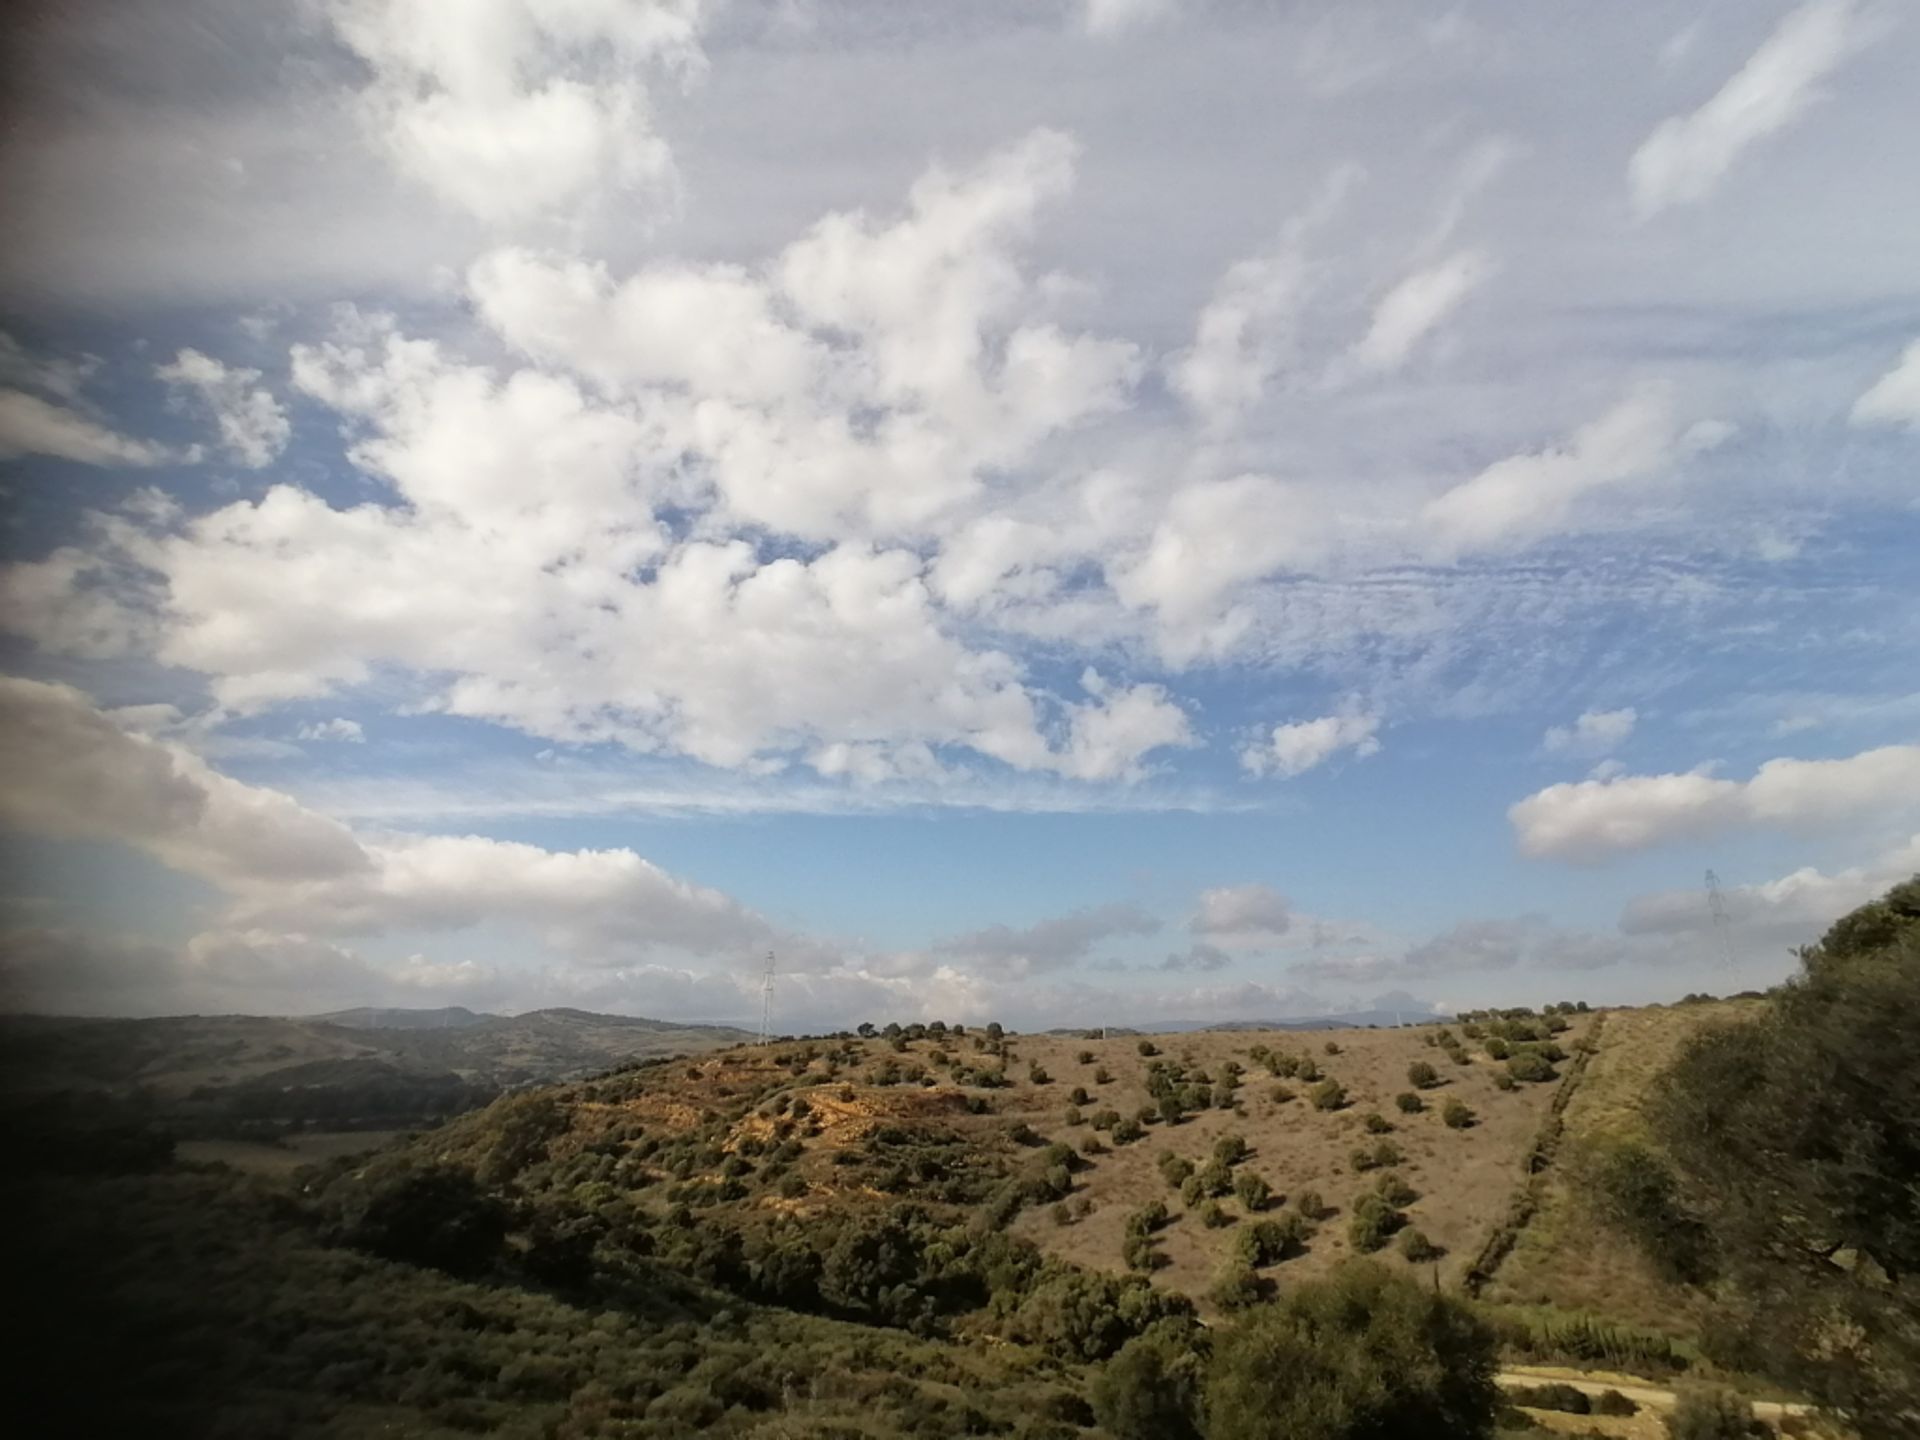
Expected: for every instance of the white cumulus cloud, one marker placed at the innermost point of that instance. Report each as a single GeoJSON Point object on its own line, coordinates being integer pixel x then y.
{"type": "Point", "coordinates": [1301, 745]}
{"type": "Point", "coordinates": [1591, 819]}
{"type": "Point", "coordinates": [252, 426]}
{"type": "Point", "coordinates": [513, 109]}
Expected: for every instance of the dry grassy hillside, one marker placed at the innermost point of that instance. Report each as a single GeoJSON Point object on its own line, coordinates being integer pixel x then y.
{"type": "Point", "coordinates": [801, 1128]}
{"type": "Point", "coordinates": [1462, 1177]}
{"type": "Point", "coordinates": [1565, 1257]}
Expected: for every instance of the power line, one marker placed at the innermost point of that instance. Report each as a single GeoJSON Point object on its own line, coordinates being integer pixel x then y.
{"type": "Point", "coordinates": [1723, 927]}
{"type": "Point", "coordinates": [766, 1003]}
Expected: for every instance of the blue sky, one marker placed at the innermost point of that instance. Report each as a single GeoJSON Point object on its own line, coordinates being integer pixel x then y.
{"type": "Point", "coordinates": [1099, 511]}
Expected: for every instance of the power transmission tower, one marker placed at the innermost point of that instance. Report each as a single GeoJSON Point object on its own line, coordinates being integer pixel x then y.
{"type": "Point", "coordinates": [766, 1003]}
{"type": "Point", "coordinates": [1723, 928]}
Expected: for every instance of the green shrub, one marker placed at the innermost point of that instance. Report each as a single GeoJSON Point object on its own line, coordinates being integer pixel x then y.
{"type": "Point", "coordinates": [1497, 1048]}
{"type": "Point", "coordinates": [1504, 1081]}
{"type": "Point", "coordinates": [1332, 1047]}
{"type": "Point", "coordinates": [1147, 1048]}
{"type": "Point", "coordinates": [1556, 1395]}
{"type": "Point", "coordinates": [1363, 1353]}
{"type": "Point", "coordinates": [1102, 1076]}
{"type": "Point", "coordinates": [1305, 1070]}
{"type": "Point", "coordinates": [1422, 1076]}
{"type": "Point", "coordinates": [1457, 1114]}
{"type": "Point", "coordinates": [1612, 1402]}
{"type": "Point", "coordinates": [1252, 1190]}
{"type": "Point", "coordinates": [1215, 1178]}
{"type": "Point", "coordinates": [1126, 1131]}
{"type": "Point", "coordinates": [1174, 1169]}
{"type": "Point", "coordinates": [1280, 1094]}
{"type": "Point", "coordinates": [1079, 1096]}
{"type": "Point", "coordinates": [1151, 1390]}
{"type": "Point", "coordinates": [1409, 1103]}
{"type": "Point", "coordinates": [1139, 1253]}
{"type": "Point", "coordinates": [1213, 1216]}
{"type": "Point", "coordinates": [1711, 1413]}
{"type": "Point", "coordinates": [1229, 1150]}
{"type": "Point", "coordinates": [1393, 1189]}
{"type": "Point", "coordinates": [1416, 1247]}
{"type": "Point", "coordinates": [1147, 1219]}
{"type": "Point", "coordinates": [1073, 1116]}
{"type": "Point", "coordinates": [1377, 1124]}
{"type": "Point", "coordinates": [1371, 1223]}
{"type": "Point", "coordinates": [1329, 1094]}
{"type": "Point", "coordinates": [1309, 1204]}
{"type": "Point", "coordinates": [1085, 1057]}
{"type": "Point", "coordinates": [1238, 1287]}
{"type": "Point", "coordinates": [1531, 1066]}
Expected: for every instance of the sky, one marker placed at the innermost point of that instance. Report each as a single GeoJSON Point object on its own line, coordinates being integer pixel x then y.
{"type": "Point", "coordinates": [1069, 512]}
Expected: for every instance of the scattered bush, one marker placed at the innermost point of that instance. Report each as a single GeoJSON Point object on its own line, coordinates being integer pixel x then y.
{"type": "Point", "coordinates": [1280, 1094]}
{"type": "Point", "coordinates": [1422, 1076]}
{"type": "Point", "coordinates": [1556, 1395]}
{"type": "Point", "coordinates": [1409, 1103]}
{"type": "Point", "coordinates": [1252, 1190]}
{"type": "Point", "coordinates": [1531, 1066]}
{"type": "Point", "coordinates": [1393, 1189]}
{"type": "Point", "coordinates": [1238, 1287]}
{"type": "Point", "coordinates": [1174, 1169]}
{"type": "Point", "coordinates": [1073, 1116]}
{"type": "Point", "coordinates": [1504, 1081]}
{"type": "Point", "coordinates": [1085, 1057]}
{"type": "Point", "coordinates": [1710, 1413]}
{"type": "Point", "coordinates": [1102, 1076]}
{"type": "Point", "coordinates": [1079, 1096]}
{"type": "Point", "coordinates": [1229, 1150]}
{"type": "Point", "coordinates": [1416, 1247]}
{"type": "Point", "coordinates": [1213, 1216]}
{"type": "Point", "coordinates": [1497, 1048]}
{"type": "Point", "coordinates": [1371, 1223]}
{"type": "Point", "coordinates": [1329, 1094]}
{"type": "Point", "coordinates": [1147, 1048]}
{"type": "Point", "coordinates": [1377, 1124]}
{"type": "Point", "coordinates": [1126, 1131]}
{"type": "Point", "coordinates": [1457, 1114]}
{"type": "Point", "coordinates": [1309, 1204]}
{"type": "Point", "coordinates": [1147, 1219]}
{"type": "Point", "coordinates": [1332, 1047]}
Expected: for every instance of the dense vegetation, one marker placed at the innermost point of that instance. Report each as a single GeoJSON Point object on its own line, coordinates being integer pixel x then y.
{"type": "Point", "coordinates": [1784, 1174]}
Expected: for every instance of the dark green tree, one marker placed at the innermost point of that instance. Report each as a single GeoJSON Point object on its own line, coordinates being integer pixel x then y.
{"type": "Point", "coordinates": [1795, 1137]}
{"type": "Point", "coordinates": [1365, 1353]}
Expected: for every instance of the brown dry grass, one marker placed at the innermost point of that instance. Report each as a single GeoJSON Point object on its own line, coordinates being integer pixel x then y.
{"type": "Point", "coordinates": [1565, 1257]}
{"type": "Point", "coordinates": [1464, 1177]}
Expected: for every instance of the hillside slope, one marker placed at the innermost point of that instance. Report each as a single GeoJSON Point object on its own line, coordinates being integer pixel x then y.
{"type": "Point", "coordinates": [202, 1071]}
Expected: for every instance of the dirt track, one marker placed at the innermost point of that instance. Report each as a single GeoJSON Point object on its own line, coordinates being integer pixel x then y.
{"type": "Point", "coordinates": [1594, 1382]}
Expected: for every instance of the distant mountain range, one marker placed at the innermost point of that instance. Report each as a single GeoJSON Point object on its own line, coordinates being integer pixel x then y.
{"type": "Point", "coordinates": [352, 1067]}
{"type": "Point", "coordinates": [447, 1017]}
